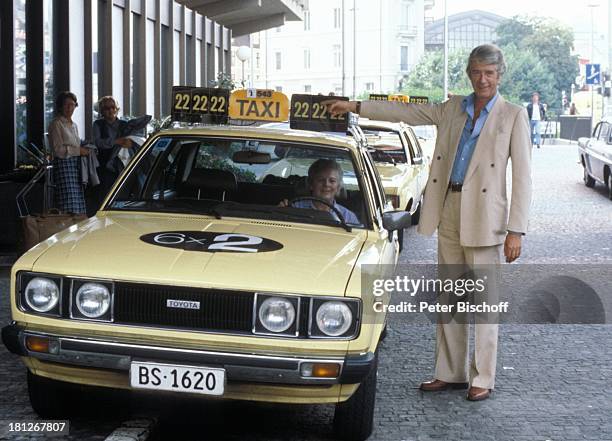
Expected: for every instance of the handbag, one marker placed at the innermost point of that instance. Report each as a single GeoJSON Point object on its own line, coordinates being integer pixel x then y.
{"type": "Point", "coordinates": [37, 228]}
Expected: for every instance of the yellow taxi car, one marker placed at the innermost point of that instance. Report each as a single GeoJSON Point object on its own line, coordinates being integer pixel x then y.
{"type": "Point", "coordinates": [403, 167]}
{"type": "Point", "coordinates": [194, 278]}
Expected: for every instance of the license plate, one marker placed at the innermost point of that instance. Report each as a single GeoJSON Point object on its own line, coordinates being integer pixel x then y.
{"type": "Point", "coordinates": [177, 378]}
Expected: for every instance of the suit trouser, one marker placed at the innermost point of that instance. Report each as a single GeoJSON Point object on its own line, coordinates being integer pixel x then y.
{"type": "Point", "coordinates": [452, 336]}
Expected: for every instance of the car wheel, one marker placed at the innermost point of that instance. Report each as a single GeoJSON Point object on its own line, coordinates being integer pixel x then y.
{"type": "Point", "coordinates": [610, 185]}
{"type": "Point", "coordinates": [354, 418]}
{"type": "Point", "coordinates": [49, 398]}
{"type": "Point", "coordinates": [588, 180]}
{"type": "Point", "coordinates": [417, 214]}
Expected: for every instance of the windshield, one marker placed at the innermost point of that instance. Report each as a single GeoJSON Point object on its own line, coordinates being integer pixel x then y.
{"type": "Point", "coordinates": [386, 147]}
{"type": "Point", "coordinates": [213, 176]}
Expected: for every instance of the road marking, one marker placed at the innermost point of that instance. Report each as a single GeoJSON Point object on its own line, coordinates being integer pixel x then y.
{"type": "Point", "coordinates": [138, 429]}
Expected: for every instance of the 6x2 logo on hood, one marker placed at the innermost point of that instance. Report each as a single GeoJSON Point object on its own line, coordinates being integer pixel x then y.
{"type": "Point", "coordinates": [211, 242]}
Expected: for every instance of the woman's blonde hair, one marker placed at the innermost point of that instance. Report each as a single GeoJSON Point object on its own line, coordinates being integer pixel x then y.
{"type": "Point", "coordinates": [107, 99]}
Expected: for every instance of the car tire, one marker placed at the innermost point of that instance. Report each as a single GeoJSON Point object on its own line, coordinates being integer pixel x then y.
{"type": "Point", "coordinates": [49, 398]}
{"type": "Point", "coordinates": [588, 180]}
{"type": "Point", "coordinates": [417, 214]}
{"type": "Point", "coordinates": [609, 184]}
{"type": "Point", "coordinates": [354, 418]}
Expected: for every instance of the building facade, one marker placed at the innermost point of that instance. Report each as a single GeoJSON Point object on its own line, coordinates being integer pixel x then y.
{"type": "Point", "coordinates": [135, 50]}
{"type": "Point", "coordinates": [344, 47]}
{"type": "Point", "coordinates": [466, 30]}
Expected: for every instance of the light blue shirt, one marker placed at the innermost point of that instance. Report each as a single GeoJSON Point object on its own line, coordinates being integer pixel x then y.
{"type": "Point", "coordinates": [348, 215]}
{"type": "Point", "coordinates": [469, 137]}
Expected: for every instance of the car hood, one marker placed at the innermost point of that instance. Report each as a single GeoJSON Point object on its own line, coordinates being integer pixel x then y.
{"type": "Point", "coordinates": [312, 259]}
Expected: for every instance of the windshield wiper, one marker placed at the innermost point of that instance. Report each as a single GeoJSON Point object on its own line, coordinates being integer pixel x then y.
{"type": "Point", "coordinates": [177, 205]}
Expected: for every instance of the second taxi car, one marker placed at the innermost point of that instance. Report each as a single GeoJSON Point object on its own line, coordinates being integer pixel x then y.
{"type": "Point", "coordinates": [195, 277]}
{"type": "Point", "coordinates": [596, 156]}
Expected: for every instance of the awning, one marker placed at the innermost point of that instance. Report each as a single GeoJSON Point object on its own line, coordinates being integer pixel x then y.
{"type": "Point", "coordinates": [247, 16]}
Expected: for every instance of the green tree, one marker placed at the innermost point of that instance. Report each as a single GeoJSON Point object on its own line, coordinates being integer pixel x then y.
{"type": "Point", "coordinates": [551, 43]}
{"type": "Point", "coordinates": [427, 78]}
{"type": "Point", "coordinates": [525, 74]}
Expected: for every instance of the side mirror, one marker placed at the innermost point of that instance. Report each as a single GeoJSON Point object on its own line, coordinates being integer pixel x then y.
{"type": "Point", "coordinates": [396, 220]}
{"type": "Point", "coordinates": [582, 141]}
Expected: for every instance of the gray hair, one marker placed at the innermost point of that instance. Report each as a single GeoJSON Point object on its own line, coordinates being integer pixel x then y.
{"type": "Point", "coordinates": [487, 54]}
{"type": "Point", "coordinates": [321, 165]}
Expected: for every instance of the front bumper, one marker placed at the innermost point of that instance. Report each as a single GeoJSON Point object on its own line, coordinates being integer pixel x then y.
{"type": "Point", "coordinates": [245, 368]}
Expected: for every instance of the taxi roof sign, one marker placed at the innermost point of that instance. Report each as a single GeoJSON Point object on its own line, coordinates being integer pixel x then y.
{"type": "Point", "coordinates": [411, 99]}
{"type": "Point", "coordinates": [258, 105]}
{"type": "Point", "coordinates": [199, 104]}
{"type": "Point", "coordinates": [307, 113]}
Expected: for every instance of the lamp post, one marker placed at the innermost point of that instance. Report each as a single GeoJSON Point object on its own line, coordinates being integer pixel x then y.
{"type": "Point", "coordinates": [592, 5]}
{"type": "Point", "coordinates": [243, 53]}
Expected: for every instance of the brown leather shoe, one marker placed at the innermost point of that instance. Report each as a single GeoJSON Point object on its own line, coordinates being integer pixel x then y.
{"type": "Point", "coordinates": [438, 385]}
{"type": "Point", "coordinates": [478, 393]}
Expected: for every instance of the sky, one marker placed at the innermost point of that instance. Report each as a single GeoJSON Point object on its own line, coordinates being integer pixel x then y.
{"type": "Point", "coordinates": [574, 13]}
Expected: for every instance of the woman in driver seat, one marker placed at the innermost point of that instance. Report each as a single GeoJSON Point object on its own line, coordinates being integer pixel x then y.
{"type": "Point", "coordinates": [324, 182]}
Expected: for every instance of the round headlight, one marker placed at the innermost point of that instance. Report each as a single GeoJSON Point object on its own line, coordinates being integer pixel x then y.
{"type": "Point", "coordinates": [42, 294]}
{"type": "Point", "coordinates": [93, 300]}
{"type": "Point", "coordinates": [334, 318]}
{"type": "Point", "coordinates": [276, 314]}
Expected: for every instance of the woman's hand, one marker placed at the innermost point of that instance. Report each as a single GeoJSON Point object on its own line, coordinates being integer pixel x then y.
{"type": "Point", "coordinates": [84, 151]}
{"type": "Point", "coordinates": [126, 143]}
{"type": "Point", "coordinates": [284, 203]}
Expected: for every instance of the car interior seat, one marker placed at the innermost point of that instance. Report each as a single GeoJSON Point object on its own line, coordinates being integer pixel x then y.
{"type": "Point", "coordinates": [210, 183]}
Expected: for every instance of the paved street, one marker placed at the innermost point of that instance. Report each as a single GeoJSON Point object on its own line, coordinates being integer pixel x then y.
{"type": "Point", "coordinates": [554, 382]}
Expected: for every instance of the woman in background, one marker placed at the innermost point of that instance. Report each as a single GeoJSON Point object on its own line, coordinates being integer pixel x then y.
{"type": "Point", "coordinates": [111, 136]}
{"type": "Point", "coordinates": [66, 145]}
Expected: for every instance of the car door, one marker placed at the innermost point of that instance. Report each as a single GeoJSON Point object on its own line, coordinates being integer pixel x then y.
{"type": "Point", "coordinates": [387, 242]}
{"type": "Point", "coordinates": [418, 161]}
{"type": "Point", "coordinates": [596, 149]}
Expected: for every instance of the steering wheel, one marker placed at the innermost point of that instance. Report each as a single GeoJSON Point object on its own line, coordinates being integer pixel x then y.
{"type": "Point", "coordinates": [324, 202]}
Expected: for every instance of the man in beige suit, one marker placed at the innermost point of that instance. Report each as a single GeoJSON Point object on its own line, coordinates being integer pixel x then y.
{"type": "Point", "coordinates": [465, 200]}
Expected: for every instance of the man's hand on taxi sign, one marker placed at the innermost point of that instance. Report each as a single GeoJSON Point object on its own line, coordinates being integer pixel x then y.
{"type": "Point", "coordinates": [339, 107]}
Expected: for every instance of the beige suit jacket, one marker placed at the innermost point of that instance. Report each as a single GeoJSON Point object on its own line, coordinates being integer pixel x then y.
{"type": "Point", "coordinates": [485, 218]}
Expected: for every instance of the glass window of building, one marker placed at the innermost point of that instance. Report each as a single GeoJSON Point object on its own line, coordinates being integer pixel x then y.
{"type": "Point", "coordinates": [405, 14]}
{"type": "Point", "coordinates": [278, 60]}
{"type": "Point", "coordinates": [306, 20]}
{"type": "Point", "coordinates": [20, 76]}
{"type": "Point", "coordinates": [306, 58]}
{"type": "Point", "coordinates": [403, 58]}
{"type": "Point", "coordinates": [308, 88]}
{"type": "Point", "coordinates": [336, 50]}
{"type": "Point", "coordinates": [337, 18]}
{"type": "Point", "coordinates": [49, 88]}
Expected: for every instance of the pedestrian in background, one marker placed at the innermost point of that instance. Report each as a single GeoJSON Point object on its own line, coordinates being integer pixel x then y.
{"type": "Point", "coordinates": [465, 200]}
{"type": "Point", "coordinates": [537, 113]}
{"type": "Point", "coordinates": [66, 145]}
{"type": "Point", "coordinates": [115, 147]}
{"type": "Point", "coordinates": [573, 110]}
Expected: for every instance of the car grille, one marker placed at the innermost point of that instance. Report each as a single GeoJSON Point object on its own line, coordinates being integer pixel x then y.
{"type": "Point", "coordinates": [143, 304]}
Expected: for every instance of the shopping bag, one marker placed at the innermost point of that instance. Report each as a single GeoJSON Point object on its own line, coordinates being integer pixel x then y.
{"type": "Point", "coordinates": [37, 228]}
